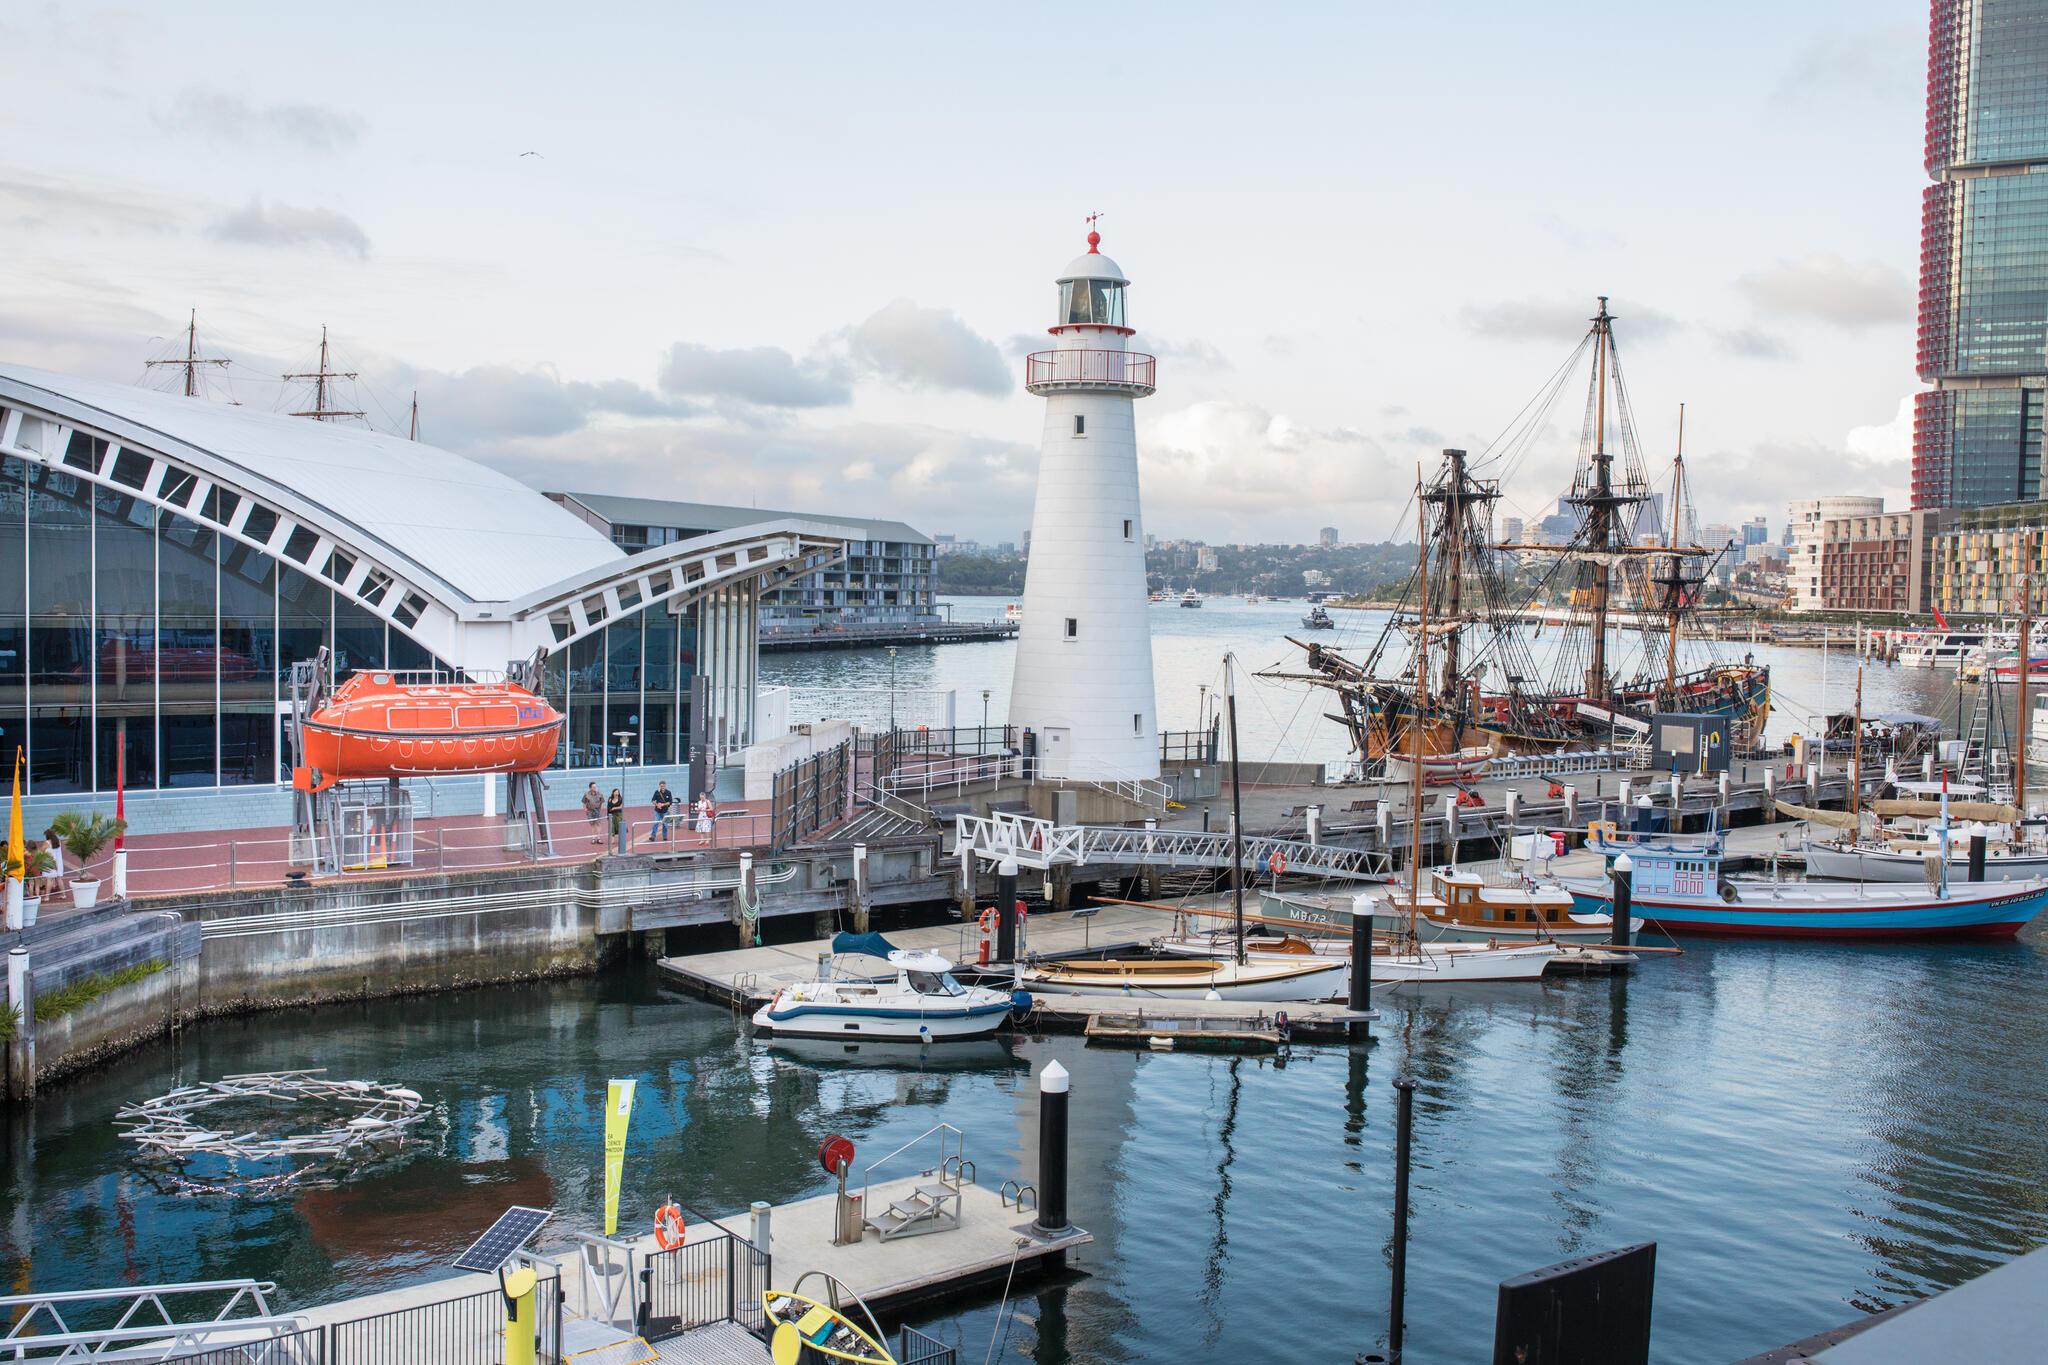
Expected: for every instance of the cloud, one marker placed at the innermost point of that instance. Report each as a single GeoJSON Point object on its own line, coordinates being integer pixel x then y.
{"type": "Point", "coordinates": [1559, 320]}
{"type": "Point", "coordinates": [491, 403]}
{"type": "Point", "coordinates": [927, 348]}
{"type": "Point", "coordinates": [1826, 287]}
{"type": "Point", "coordinates": [931, 477]}
{"type": "Point", "coordinates": [1875, 459]}
{"type": "Point", "coordinates": [766, 376]}
{"type": "Point", "coordinates": [1751, 344]}
{"type": "Point", "coordinates": [1194, 353]}
{"type": "Point", "coordinates": [230, 118]}
{"type": "Point", "coordinates": [1881, 63]}
{"type": "Point", "coordinates": [38, 201]}
{"type": "Point", "coordinates": [1232, 462]}
{"type": "Point", "coordinates": [274, 224]}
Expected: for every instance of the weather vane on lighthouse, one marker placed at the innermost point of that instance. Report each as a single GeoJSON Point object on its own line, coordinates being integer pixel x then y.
{"type": "Point", "coordinates": [1094, 237]}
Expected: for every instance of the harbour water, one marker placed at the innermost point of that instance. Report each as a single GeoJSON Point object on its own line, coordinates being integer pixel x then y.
{"type": "Point", "coordinates": [1807, 1131]}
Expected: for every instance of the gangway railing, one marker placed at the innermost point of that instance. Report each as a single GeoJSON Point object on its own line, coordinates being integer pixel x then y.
{"type": "Point", "coordinates": [1041, 844]}
{"type": "Point", "coordinates": [151, 1322]}
{"type": "Point", "coordinates": [928, 1208]}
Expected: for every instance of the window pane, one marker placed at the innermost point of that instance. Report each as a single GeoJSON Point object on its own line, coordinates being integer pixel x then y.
{"type": "Point", "coordinates": [189, 659]}
{"type": "Point", "coordinates": [60, 630]}
{"type": "Point", "coordinates": [248, 665]}
{"type": "Point", "coordinates": [358, 638]}
{"type": "Point", "coordinates": [13, 609]}
{"type": "Point", "coordinates": [622, 673]}
{"type": "Point", "coordinates": [125, 644]}
{"type": "Point", "coordinates": [305, 610]}
{"type": "Point", "coordinates": [586, 701]}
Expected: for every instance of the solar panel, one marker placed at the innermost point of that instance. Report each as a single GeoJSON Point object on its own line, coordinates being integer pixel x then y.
{"type": "Point", "coordinates": [514, 1229]}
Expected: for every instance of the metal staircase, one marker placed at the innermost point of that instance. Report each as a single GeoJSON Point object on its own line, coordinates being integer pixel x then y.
{"type": "Point", "coordinates": [933, 1203]}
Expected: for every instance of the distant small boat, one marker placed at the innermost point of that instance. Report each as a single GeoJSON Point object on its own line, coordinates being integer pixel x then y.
{"type": "Point", "coordinates": [1464, 908]}
{"type": "Point", "coordinates": [1318, 619]}
{"type": "Point", "coordinates": [1191, 598]}
{"type": "Point", "coordinates": [1168, 979]}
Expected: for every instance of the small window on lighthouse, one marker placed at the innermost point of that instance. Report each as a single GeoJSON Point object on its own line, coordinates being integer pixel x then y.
{"type": "Point", "coordinates": [1137, 722]}
{"type": "Point", "coordinates": [1080, 425]}
{"type": "Point", "coordinates": [1073, 628]}
{"type": "Point", "coordinates": [1127, 528]}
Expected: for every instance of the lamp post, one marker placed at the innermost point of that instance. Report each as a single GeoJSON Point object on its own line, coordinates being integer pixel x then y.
{"type": "Point", "coordinates": [892, 689]}
{"type": "Point", "coordinates": [982, 745]}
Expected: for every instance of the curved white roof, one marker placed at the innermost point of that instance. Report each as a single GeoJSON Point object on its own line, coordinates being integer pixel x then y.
{"type": "Point", "coordinates": [484, 535]}
{"type": "Point", "coordinates": [1092, 265]}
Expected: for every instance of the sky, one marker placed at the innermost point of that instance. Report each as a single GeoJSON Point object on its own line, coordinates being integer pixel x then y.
{"type": "Point", "coordinates": [792, 255]}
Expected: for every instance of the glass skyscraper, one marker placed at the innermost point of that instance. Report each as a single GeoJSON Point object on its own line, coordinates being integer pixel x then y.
{"type": "Point", "coordinates": [1983, 344]}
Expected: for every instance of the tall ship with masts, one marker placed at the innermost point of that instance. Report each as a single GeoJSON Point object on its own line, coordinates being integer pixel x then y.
{"type": "Point", "coordinates": [1626, 584]}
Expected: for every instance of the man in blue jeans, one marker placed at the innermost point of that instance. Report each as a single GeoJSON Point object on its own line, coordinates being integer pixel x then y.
{"type": "Point", "coordinates": [664, 802]}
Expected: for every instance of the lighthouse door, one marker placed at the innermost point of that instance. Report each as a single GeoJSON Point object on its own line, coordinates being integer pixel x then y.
{"type": "Point", "coordinates": [1053, 745]}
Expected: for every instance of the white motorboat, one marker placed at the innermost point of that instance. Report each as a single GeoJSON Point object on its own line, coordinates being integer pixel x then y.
{"type": "Point", "coordinates": [1191, 598]}
{"type": "Point", "coordinates": [1949, 649]}
{"type": "Point", "coordinates": [1438, 963]}
{"type": "Point", "coordinates": [921, 1004]}
{"type": "Point", "coordinates": [1176, 978]}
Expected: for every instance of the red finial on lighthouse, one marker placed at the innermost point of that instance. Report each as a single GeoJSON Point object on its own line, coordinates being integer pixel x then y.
{"type": "Point", "coordinates": [1094, 237]}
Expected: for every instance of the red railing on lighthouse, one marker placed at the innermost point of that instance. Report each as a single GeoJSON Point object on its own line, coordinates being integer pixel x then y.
{"type": "Point", "coordinates": [1122, 369]}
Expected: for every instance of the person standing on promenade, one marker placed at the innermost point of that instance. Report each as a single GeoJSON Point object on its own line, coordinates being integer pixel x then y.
{"type": "Point", "coordinates": [593, 811]}
{"type": "Point", "coordinates": [664, 801]}
{"type": "Point", "coordinates": [615, 807]}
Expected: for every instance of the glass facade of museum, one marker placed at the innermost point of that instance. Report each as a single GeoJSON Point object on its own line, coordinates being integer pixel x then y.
{"type": "Point", "coordinates": [144, 647]}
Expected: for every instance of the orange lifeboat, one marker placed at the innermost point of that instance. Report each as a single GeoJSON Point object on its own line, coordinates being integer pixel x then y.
{"type": "Point", "coordinates": [376, 726]}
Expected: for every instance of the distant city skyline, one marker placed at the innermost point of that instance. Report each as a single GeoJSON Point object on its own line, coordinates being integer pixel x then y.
{"type": "Point", "coordinates": [654, 301]}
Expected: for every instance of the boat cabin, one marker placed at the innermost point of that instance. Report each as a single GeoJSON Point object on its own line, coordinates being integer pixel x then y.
{"type": "Point", "coordinates": [1670, 866]}
{"type": "Point", "coordinates": [1463, 898]}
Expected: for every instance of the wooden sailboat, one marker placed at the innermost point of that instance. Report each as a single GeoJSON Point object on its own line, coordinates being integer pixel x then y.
{"type": "Point", "coordinates": [1583, 701]}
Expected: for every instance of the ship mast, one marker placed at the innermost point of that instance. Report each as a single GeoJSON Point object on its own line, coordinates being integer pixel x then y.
{"type": "Point", "coordinates": [1675, 587]}
{"type": "Point", "coordinates": [1421, 715]}
{"type": "Point", "coordinates": [192, 361]}
{"type": "Point", "coordinates": [320, 412]}
{"type": "Point", "coordinates": [2019, 748]}
{"type": "Point", "coordinates": [1600, 508]}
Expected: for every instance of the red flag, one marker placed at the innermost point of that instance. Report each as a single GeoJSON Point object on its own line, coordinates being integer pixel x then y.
{"type": "Point", "coordinates": [1939, 619]}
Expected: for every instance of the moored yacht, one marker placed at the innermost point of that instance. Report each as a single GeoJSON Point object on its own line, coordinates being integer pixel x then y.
{"type": "Point", "coordinates": [922, 1003]}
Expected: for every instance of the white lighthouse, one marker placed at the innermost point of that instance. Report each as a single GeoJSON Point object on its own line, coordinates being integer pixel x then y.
{"type": "Point", "coordinates": [1083, 685]}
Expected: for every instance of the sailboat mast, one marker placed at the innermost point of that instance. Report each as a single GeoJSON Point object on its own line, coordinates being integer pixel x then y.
{"type": "Point", "coordinates": [1856, 751]}
{"type": "Point", "coordinates": [1603, 509]}
{"type": "Point", "coordinates": [1676, 585]}
{"type": "Point", "coordinates": [192, 355]}
{"type": "Point", "coordinates": [1236, 812]}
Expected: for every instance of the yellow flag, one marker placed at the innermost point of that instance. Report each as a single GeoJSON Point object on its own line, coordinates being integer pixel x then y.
{"type": "Point", "coordinates": [618, 1112]}
{"type": "Point", "coordinates": [17, 847]}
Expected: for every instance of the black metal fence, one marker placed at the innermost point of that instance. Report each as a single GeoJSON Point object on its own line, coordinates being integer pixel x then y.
{"type": "Point", "coordinates": [887, 747]}
{"type": "Point", "coordinates": [1191, 746]}
{"type": "Point", "coordinates": [465, 1331]}
{"type": "Point", "coordinates": [308, 1347]}
{"type": "Point", "coordinates": [810, 794]}
{"type": "Point", "coordinates": [915, 1348]}
{"type": "Point", "coordinates": [719, 1279]}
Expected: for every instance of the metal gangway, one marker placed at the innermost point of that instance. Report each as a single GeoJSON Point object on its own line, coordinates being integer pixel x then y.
{"type": "Point", "coordinates": [156, 1322]}
{"type": "Point", "coordinates": [1041, 844]}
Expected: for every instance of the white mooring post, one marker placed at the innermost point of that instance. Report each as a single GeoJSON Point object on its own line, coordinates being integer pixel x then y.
{"type": "Point", "coordinates": [860, 887]}
{"type": "Point", "coordinates": [1623, 800]}
{"type": "Point", "coordinates": [1514, 804]}
{"type": "Point", "coordinates": [759, 1230]}
{"type": "Point", "coordinates": [1571, 805]}
{"type": "Point", "coordinates": [21, 1049]}
{"type": "Point", "coordinates": [1451, 830]}
{"type": "Point", "coordinates": [14, 911]}
{"type": "Point", "coordinates": [1315, 826]}
{"type": "Point", "coordinates": [1383, 817]}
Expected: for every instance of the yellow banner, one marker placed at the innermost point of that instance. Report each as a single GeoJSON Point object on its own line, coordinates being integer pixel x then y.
{"type": "Point", "coordinates": [17, 847]}
{"type": "Point", "coordinates": [618, 1112]}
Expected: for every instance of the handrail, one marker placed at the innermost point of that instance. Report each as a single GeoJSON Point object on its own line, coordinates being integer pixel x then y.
{"type": "Point", "coordinates": [867, 1174]}
{"type": "Point", "coordinates": [1134, 369]}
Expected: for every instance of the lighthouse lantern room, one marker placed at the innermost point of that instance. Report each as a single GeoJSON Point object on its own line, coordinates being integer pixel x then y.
{"type": "Point", "coordinates": [1083, 682]}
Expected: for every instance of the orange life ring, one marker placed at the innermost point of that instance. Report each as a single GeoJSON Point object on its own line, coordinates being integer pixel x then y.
{"type": "Point", "coordinates": [988, 920]}
{"type": "Point", "coordinates": [1276, 862]}
{"type": "Point", "coordinates": [668, 1227]}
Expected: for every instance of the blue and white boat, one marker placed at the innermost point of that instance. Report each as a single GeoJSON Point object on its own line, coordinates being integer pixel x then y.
{"type": "Point", "coordinates": [921, 1003]}
{"type": "Point", "coordinates": [1678, 887]}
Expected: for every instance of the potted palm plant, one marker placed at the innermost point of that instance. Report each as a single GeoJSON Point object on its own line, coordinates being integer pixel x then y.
{"type": "Point", "coordinates": [83, 836]}
{"type": "Point", "coordinates": [37, 864]}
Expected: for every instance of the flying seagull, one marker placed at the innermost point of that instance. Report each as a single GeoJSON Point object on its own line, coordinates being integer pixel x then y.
{"type": "Point", "coordinates": [533, 154]}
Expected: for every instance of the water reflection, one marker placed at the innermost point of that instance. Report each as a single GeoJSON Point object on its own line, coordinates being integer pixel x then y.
{"type": "Point", "coordinates": [1804, 1129]}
